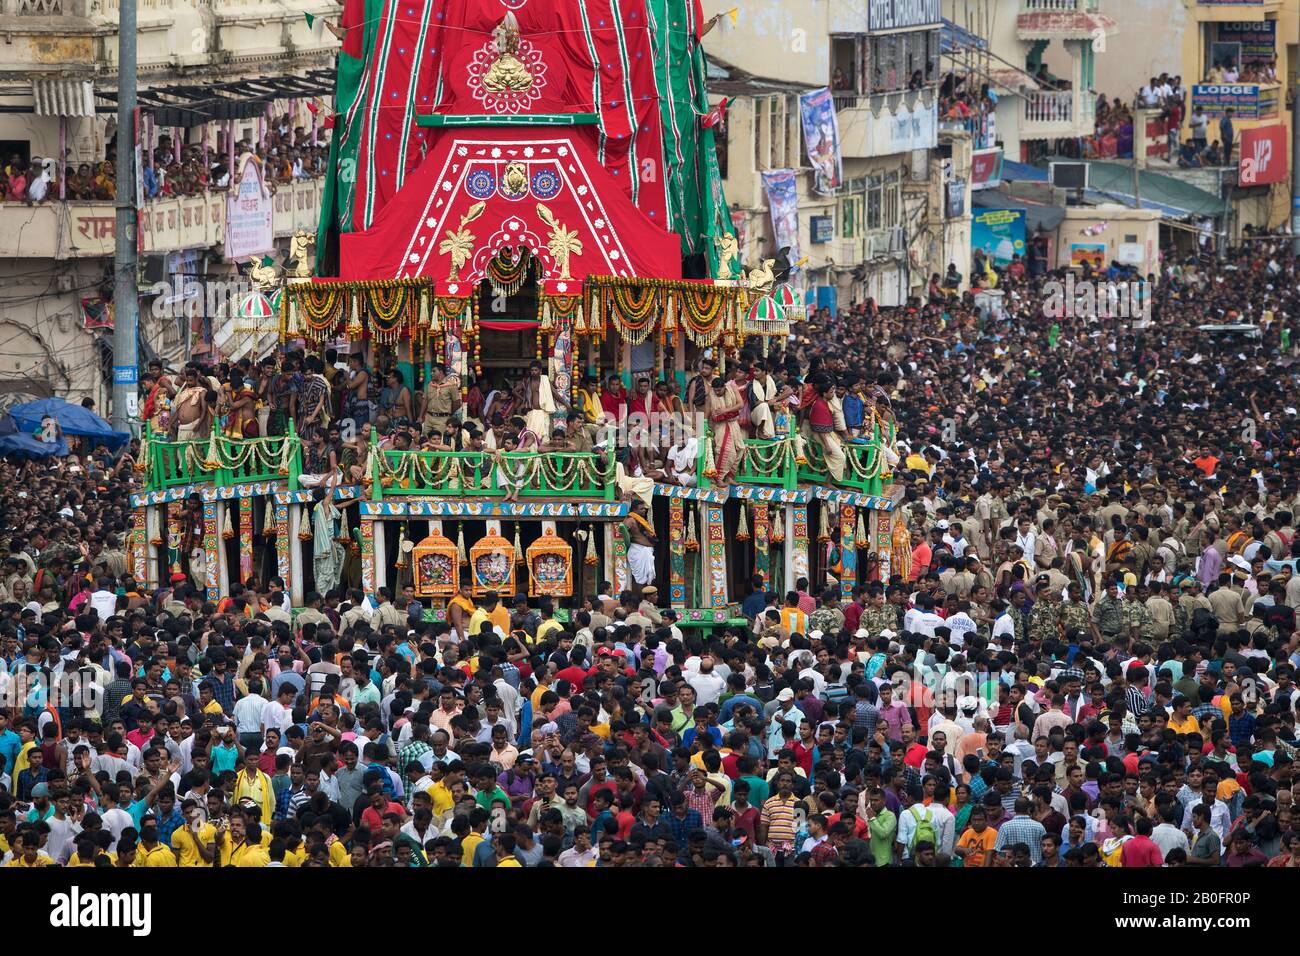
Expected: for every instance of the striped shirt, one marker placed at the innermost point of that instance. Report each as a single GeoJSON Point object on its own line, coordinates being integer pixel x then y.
{"type": "Point", "coordinates": [778, 817]}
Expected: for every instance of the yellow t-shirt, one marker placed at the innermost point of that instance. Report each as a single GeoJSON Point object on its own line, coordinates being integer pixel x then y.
{"type": "Point", "coordinates": [339, 855]}
{"type": "Point", "coordinates": [441, 797]}
{"type": "Point", "coordinates": [469, 846]}
{"type": "Point", "coordinates": [547, 627]}
{"type": "Point", "coordinates": [75, 860]}
{"type": "Point", "coordinates": [1190, 726]}
{"type": "Point", "coordinates": [230, 853]}
{"type": "Point", "coordinates": [510, 862]}
{"type": "Point", "coordinates": [187, 844]}
{"type": "Point", "coordinates": [21, 762]}
{"type": "Point", "coordinates": [159, 856]}
{"type": "Point", "coordinates": [251, 856]}
{"type": "Point", "coordinates": [295, 858]}
{"type": "Point", "coordinates": [41, 861]}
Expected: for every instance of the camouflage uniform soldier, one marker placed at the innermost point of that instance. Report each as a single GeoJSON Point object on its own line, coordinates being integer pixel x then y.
{"type": "Point", "coordinates": [1108, 613]}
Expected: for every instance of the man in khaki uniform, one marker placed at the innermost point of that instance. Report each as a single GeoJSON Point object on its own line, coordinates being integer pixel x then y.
{"type": "Point", "coordinates": [438, 402]}
{"type": "Point", "coordinates": [1162, 612]}
{"type": "Point", "coordinates": [1227, 607]}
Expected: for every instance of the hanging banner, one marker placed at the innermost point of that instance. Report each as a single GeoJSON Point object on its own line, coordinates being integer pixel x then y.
{"type": "Point", "coordinates": [998, 233]}
{"type": "Point", "coordinates": [782, 188]}
{"type": "Point", "coordinates": [821, 131]}
{"type": "Point", "coordinates": [985, 169]}
{"type": "Point", "coordinates": [249, 211]}
{"type": "Point", "coordinates": [1263, 156]}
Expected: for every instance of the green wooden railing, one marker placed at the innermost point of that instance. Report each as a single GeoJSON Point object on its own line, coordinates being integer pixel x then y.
{"type": "Point", "coordinates": [768, 462]}
{"type": "Point", "coordinates": [170, 464]}
{"type": "Point", "coordinates": [470, 474]}
{"type": "Point", "coordinates": [476, 474]}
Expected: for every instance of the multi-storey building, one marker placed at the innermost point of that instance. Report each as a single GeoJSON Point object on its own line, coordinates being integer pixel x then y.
{"type": "Point", "coordinates": [884, 229]}
{"type": "Point", "coordinates": [214, 76]}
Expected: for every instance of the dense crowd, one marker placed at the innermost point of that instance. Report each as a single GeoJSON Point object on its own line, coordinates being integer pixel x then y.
{"type": "Point", "coordinates": [1083, 656]}
{"type": "Point", "coordinates": [288, 154]}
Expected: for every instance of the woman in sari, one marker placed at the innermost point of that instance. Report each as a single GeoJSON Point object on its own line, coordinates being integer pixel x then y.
{"type": "Point", "coordinates": [961, 808]}
{"type": "Point", "coordinates": [723, 405]}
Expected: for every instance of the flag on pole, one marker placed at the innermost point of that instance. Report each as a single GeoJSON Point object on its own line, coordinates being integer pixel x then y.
{"type": "Point", "coordinates": [316, 25]}
{"type": "Point", "coordinates": [727, 21]}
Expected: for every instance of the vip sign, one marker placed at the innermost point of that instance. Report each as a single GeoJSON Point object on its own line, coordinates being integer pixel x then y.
{"type": "Point", "coordinates": [1263, 156]}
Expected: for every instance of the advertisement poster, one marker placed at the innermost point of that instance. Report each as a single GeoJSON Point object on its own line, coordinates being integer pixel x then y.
{"type": "Point", "coordinates": [249, 210]}
{"type": "Point", "coordinates": [821, 131]}
{"type": "Point", "coordinates": [1093, 253]}
{"type": "Point", "coordinates": [782, 188]}
{"type": "Point", "coordinates": [1263, 156]}
{"type": "Point", "coordinates": [985, 169]}
{"type": "Point", "coordinates": [999, 234]}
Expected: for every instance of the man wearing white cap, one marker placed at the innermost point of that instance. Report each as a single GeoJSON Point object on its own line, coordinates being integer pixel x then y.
{"type": "Point", "coordinates": [786, 710]}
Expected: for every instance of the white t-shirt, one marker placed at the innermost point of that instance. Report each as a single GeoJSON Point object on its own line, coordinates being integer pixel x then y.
{"type": "Point", "coordinates": [960, 624]}
{"type": "Point", "coordinates": [104, 603]}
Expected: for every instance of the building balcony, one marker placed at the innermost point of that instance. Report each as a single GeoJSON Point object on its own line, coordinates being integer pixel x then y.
{"type": "Point", "coordinates": [78, 229]}
{"type": "Point", "coordinates": [883, 124]}
{"type": "Point", "coordinates": [1062, 20]}
{"type": "Point", "coordinates": [1050, 114]}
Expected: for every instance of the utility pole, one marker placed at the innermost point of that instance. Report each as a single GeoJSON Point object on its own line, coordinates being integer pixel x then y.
{"type": "Point", "coordinates": [126, 302]}
{"type": "Point", "coordinates": [1295, 172]}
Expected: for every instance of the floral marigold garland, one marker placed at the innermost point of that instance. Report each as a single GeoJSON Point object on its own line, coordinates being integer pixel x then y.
{"type": "Point", "coordinates": [507, 274]}
{"type": "Point", "coordinates": [390, 306]}
{"type": "Point", "coordinates": [633, 309]}
{"type": "Point", "coordinates": [321, 308]}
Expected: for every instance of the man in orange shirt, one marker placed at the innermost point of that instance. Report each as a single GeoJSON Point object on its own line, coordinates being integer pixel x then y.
{"type": "Point", "coordinates": [975, 846]}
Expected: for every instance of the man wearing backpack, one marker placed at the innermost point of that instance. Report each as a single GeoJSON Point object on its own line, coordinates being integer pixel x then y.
{"type": "Point", "coordinates": [924, 822]}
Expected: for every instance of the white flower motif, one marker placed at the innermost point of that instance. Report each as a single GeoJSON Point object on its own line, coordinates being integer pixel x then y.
{"type": "Point", "coordinates": [446, 186]}
{"type": "Point", "coordinates": [513, 224]}
{"type": "Point", "coordinates": [582, 190]}
{"type": "Point", "coordinates": [412, 258]}
{"type": "Point", "coordinates": [599, 224]}
{"type": "Point", "coordinates": [528, 151]}
{"type": "Point", "coordinates": [562, 151]}
{"type": "Point", "coordinates": [430, 222]}
{"type": "Point", "coordinates": [453, 288]}
{"type": "Point", "coordinates": [462, 151]}
{"type": "Point", "coordinates": [496, 152]}
{"type": "Point", "coordinates": [613, 253]}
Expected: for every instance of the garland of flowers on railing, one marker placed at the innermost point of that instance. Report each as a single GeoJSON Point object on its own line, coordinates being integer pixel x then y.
{"type": "Point", "coordinates": [321, 308]}
{"type": "Point", "coordinates": [766, 458]}
{"type": "Point", "coordinates": [231, 454]}
{"type": "Point", "coordinates": [874, 461]}
{"type": "Point", "coordinates": [390, 306]}
{"type": "Point", "coordinates": [419, 470]}
{"type": "Point", "coordinates": [414, 469]}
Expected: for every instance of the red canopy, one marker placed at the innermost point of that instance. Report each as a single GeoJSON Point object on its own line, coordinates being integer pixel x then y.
{"type": "Point", "coordinates": [532, 183]}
